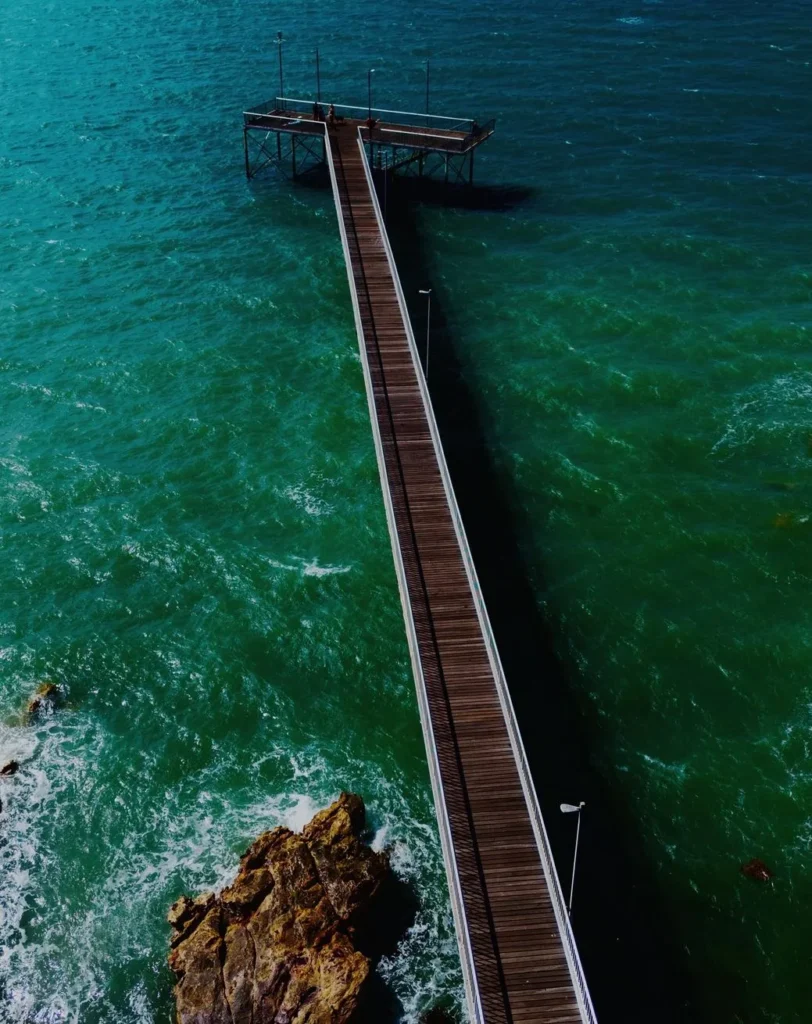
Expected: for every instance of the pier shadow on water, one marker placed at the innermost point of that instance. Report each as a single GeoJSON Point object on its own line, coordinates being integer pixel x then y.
{"type": "Point", "coordinates": [634, 969]}
{"type": "Point", "coordinates": [376, 934]}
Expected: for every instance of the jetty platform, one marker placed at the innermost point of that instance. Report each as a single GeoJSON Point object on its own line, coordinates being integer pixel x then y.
{"type": "Point", "coordinates": [519, 957]}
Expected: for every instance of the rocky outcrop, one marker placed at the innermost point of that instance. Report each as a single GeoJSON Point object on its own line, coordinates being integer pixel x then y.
{"type": "Point", "coordinates": [276, 946]}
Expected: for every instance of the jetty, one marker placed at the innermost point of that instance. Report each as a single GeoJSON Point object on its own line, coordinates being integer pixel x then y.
{"type": "Point", "coordinates": [519, 957]}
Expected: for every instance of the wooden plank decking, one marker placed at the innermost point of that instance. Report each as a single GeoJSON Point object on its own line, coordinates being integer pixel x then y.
{"type": "Point", "coordinates": [518, 955]}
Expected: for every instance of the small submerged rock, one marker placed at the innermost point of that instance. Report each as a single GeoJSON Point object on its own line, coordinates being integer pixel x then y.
{"type": "Point", "coordinates": [276, 945]}
{"type": "Point", "coordinates": [757, 870]}
{"type": "Point", "coordinates": [46, 698]}
{"type": "Point", "coordinates": [10, 768]}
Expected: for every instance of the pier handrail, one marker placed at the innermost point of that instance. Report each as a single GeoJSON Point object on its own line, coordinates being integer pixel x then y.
{"type": "Point", "coordinates": [361, 113]}
{"type": "Point", "coordinates": [282, 122]}
{"type": "Point", "coordinates": [543, 843]}
{"type": "Point", "coordinates": [444, 827]}
{"type": "Point", "coordinates": [356, 112]}
{"type": "Point", "coordinates": [413, 135]}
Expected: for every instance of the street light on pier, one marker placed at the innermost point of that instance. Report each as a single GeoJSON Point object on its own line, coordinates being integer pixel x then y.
{"type": "Point", "coordinates": [370, 73]}
{"type": "Point", "coordinates": [573, 809]}
{"type": "Point", "coordinates": [427, 293]}
{"type": "Point", "coordinates": [281, 82]}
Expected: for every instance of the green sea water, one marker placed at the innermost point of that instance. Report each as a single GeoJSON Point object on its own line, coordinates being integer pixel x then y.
{"type": "Point", "coordinates": [192, 533]}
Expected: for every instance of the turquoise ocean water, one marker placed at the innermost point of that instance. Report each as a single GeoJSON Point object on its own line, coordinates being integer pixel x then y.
{"type": "Point", "coordinates": [191, 527]}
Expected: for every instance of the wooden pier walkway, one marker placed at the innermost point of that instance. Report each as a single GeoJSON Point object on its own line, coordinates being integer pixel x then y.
{"type": "Point", "coordinates": [519, 958]}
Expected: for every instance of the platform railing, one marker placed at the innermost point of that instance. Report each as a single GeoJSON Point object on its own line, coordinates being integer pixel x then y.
{"type": "Point", "coordinates": [360, 113]}
{"type": "Point", "coordinates": [424, 138]}
{"type": "Point", "coordinates": [395, 128]}
{"type": "Point", "coordinates": [261, 108]}
{"type": "Point", "coordinates": [282, 123]}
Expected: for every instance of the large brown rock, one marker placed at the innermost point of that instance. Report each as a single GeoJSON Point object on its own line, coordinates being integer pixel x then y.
{"type": "Point", "coordinates": [275, 946]}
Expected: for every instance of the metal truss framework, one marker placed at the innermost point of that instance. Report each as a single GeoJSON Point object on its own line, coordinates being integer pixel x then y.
{"type": "Point", "coordinates": [294, 155]}
{"type": "Point", "coordinates": [290, 154]}
{"type": "Point", "coordinates": [452, 168]}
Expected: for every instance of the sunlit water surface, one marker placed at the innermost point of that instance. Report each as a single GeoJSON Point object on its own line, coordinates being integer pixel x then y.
{"type": "Point", "coordinates": [193, 539]}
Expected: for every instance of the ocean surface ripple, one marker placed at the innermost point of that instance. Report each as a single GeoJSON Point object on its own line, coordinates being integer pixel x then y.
{"type": "Point", "coordinates": [193, 537]}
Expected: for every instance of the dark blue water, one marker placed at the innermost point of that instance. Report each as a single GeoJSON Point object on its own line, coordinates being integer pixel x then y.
{"type": "Point", "coordinates": [193, 538]}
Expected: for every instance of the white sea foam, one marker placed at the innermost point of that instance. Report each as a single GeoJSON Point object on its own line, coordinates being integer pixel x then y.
{"type": "Point", "coordinates": [89, 405]}
{"type": "Point", "coordinates": [677, 769]}
{"type": "Point", "coordinates": [314, 569]}
{"type": "Point", "coordinates": [307, 501]}
{"type": "Point", "coordinates": [309, 568]}
{"type": "Point", "coordinates": [39, 389]}
{"type": "Point", "coordinates": [50, 767]}
{"type": "Point", "coordinates": [112, 905]}
{"type": "Point", "coordinates": [770, 413]}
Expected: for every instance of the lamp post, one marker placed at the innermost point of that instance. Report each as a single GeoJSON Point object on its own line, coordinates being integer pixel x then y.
{"type": "Point", "coordinates": [427, 293]}
{"type": "Point", "coordinates": [370, 73]}
{"type": "Point", "coordinates": [428, 77]}
{"type": "Point", "coordinates": [318, 77]}
{"type": "Point", "coordinates": [281, 81]}
{"type": "Point", "coordinates": [385, 184]}
{"type": "Point", "coordinates": [573, 809]}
